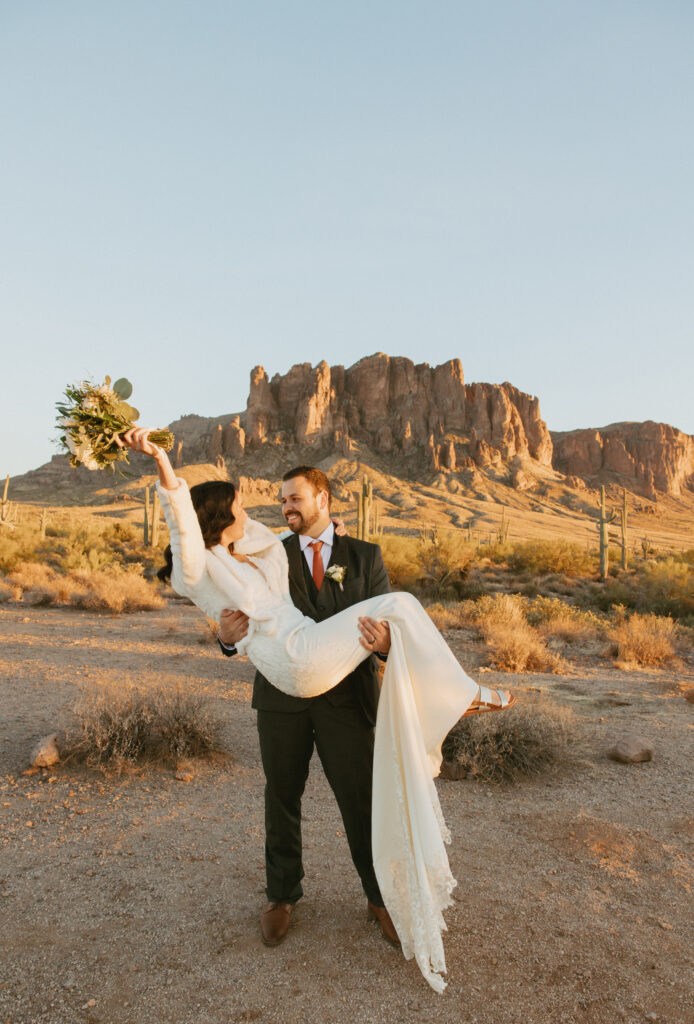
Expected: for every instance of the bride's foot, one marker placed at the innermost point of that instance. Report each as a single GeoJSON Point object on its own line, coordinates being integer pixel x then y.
{"type": "Point", "coordinates": [490, 700]}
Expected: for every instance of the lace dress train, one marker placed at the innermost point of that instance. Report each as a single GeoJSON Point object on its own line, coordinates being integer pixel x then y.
{"type": "Point", "coordinates": [424, 693]}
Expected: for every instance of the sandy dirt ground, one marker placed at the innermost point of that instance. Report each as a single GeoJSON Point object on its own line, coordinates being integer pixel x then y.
{"type": "Point", "coordinates": [135, 898]}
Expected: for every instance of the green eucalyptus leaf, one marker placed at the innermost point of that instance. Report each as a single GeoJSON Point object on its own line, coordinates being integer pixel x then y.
{"type": "Point", "coordinates": [123, 388]}
{"type": "Point", "coordinates": [127, 412]}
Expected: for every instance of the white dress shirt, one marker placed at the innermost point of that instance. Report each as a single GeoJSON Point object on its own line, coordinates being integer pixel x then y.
{"type": "Point", "coordinates": [328, 538]}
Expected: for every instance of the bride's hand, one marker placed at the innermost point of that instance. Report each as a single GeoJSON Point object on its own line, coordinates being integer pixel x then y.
{"type": "Point", "coordinates": [340, 528]}
{"type": "Point", "coordinates": [137, 439]}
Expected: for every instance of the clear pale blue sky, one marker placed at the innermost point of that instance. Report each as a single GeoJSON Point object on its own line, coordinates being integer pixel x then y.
{"type": "Point", "coordinates": [188, 189]}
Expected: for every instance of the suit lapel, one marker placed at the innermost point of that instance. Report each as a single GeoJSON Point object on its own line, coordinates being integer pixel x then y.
{"type": "Point", "coordinates": [297, 583]}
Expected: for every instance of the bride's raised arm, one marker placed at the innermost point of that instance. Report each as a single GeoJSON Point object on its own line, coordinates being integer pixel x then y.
{"type": "Point", "coordinates": [187, 544]}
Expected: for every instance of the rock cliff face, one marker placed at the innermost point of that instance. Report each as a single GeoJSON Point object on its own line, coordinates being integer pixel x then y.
{"type": "Point", "coordinates": [651, 456]}
{"type": "Point", "coordinates": [397, 407]}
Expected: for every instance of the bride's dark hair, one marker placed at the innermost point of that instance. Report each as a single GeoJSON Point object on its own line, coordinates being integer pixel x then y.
{"type": "Point", "coordinates": [212, 501]}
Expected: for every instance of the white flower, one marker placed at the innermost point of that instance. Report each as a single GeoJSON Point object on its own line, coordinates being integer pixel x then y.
{"type": "Point", "coordinates": [90, 403]}
{"type": "Point", "coordinates": [336, 573]}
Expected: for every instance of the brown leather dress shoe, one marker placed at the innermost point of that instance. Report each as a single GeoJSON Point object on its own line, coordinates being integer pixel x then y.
{"type": "Point", "coordinates": [274, 922]}
{"type": "Point", "coordinates": [381, 915]}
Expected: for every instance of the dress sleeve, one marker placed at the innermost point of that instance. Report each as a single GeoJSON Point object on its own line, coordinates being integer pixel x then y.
{"type": "Point", "coordinates": [187, 545]}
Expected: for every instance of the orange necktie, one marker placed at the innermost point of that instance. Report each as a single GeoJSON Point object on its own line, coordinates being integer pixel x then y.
{"type": "Point", "coordinates": [318, 569]}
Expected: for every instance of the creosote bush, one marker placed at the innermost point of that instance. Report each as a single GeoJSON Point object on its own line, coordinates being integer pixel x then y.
{"type": "Point", "coordinates": [533, 737]}
{"type": "Point", "coordinates": [113, 727]}
{"type": "Point", "coordinates": [513, 644]}
{"type": "Point", "coordinates": [644, 639]}
{"type": "Point", "coordinates": [112, 590]}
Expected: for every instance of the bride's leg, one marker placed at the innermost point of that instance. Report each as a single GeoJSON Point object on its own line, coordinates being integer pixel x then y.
{"type": "Point", "coordinates": [325, 652]}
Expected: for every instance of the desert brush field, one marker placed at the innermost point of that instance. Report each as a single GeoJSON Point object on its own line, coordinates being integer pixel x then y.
{"type": "Point", "coordinates": [132, 871]}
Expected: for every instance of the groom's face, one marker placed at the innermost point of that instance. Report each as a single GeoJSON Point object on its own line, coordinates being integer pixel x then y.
{"type": "Point", "coordinates": [302, 507]}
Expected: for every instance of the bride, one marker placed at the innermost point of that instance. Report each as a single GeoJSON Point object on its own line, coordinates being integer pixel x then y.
{"type": "Point", "coordinates": [424, 693]}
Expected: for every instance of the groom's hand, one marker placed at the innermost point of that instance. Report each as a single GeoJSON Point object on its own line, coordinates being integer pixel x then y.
{"type": "Point", "coordinates": [375, 635]}
{"type": "Point", "coordinates": [233, 627]}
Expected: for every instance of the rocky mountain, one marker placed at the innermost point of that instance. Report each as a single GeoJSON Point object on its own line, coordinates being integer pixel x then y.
{"type": "Point", "coordinates": [647, 457]}
{"type": "Point", "coordinates": [416, 423]}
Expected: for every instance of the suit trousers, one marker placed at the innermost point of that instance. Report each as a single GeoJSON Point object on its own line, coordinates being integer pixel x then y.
{"type": "Point", "coordinates": [345, 744]}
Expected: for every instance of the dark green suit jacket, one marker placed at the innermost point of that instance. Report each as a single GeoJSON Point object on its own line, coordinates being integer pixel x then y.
{"type": "Point", "coordinates": [365, 577]}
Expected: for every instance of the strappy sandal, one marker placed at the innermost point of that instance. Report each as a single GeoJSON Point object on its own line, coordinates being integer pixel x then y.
{"type": "Point", "coordinates": [486, 703]}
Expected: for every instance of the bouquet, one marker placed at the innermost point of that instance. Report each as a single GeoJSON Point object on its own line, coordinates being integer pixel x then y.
{"type": "Point", "coordinates": [93, 416]}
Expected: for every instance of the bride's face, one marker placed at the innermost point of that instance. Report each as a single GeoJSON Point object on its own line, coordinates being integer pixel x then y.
{"type": "Point", "coordinates": [235, 530]}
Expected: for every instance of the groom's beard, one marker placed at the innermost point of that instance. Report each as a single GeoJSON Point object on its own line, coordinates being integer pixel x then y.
{"type": "Point", "coordinates": [302, 523]}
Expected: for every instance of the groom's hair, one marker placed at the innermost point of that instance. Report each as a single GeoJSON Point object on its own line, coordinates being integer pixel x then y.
{"type": "Point", "coordinates": [316, 477]}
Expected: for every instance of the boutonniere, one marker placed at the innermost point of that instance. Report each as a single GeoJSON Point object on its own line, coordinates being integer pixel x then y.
{"type": "Point", "coordinates": [336, 573]}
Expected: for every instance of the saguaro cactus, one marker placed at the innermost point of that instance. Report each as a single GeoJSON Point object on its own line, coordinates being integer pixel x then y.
{"type": "Point", "coordinates": [154, 536]}
{"type": "Point", "coordinates": [5, 502]}
{"type": "Point", "coordinates": [624, 530]}
{"type": "Point", "coordinates": [145, 520]}
{"type": "Point", "coordinates": [603, 528]}
{"type": "Point", "coordinates": [502, 535]}
{"type": "Point", "coordinates": [44, 520]}
{"type": "Point", "coordinates": [364, 503]}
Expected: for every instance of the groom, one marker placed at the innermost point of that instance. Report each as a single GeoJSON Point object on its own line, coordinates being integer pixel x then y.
{"type": "Point", "coordinates": [339, 723]}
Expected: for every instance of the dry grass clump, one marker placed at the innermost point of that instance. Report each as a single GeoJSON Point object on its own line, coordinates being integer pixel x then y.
{"type": "Point", "coordinates": [520, 650]}
{"type": "Point", "coordinates": [112, 590]}
{"type": "Point", "coordinates": [551, 556]}
{"type": "Point", "coordinates": [533, 737]}
{"type": "Point", "coordinates": [513, 644]}
{"type": "Point", "coordinates": [561, 621]}
{"type": "Point", "coordinates": [7, 592]}
{"type": "Point", "coordinates": [451, 614]}
{"type": "Point", "coordinates": [400, 558]}
{"type": "Point", "coordinates": [116, 591]}
{"type": "Point", "coordinates": [433, 564]}
{"type": "Point", "coordinates": [443, 557]}
{"type": "Point", "coordinates": [644, 639]}
{"type": "Point", "coordinates": [114, 727]}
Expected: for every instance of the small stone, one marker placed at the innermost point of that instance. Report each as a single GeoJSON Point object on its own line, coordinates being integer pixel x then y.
{"type": "Point", "coordinates": [46, 752]}
{"type": "Point", "coordinates": [453, 771]}
{"type": "Point", "coordinates": [689, 695]}
{"type": "Point", "coordinates": [184, 776]}
{"type": "Point", "coordinates": [666, 926]}
{"type": "Point", "coordinates": [631, 749]}
{"type": "Point", "coordinates": [88, 1005]}
{"type": "Point", "coordinates": [29, 824]}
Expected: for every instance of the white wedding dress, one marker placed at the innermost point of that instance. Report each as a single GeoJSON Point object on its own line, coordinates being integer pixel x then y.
{"type": "Point", "coordinates": [424, 693]}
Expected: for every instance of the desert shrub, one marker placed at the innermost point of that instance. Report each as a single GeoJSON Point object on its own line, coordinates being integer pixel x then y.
{"type": "Point", "coordinates": [113, 726]}
{"type": "Point", "coordinates": [533, 737]}
{"type": "Point", "coordinates": [500, 610]}
{"type": "Point", "coordinates": [520, 649]}
{"type": "Point", "coordinates": [443, 557]}
{"type": "Point", "coordinates": [400, 558]}
{"type": "Point", "coordinates": [433, 564]}
{"type": "Point", "coordinates": [90, 543]}
{"type": "Point", "coordinates": [643, 639]}
{"type": "Point", "coordinates": [557, 619]}
{"type": "Point", "coordinates": [667, 587]}
{"type": "Point", "coordinates": [116, 591]}
{"type": "Point", "coordinates": [7, 591]}
{"type": "Point", "coordinates": [451, 614]}
{"type": "Point", "coordinates": [111, 590]}
{"type": "Point", "coordinates": [513, 644]}
{"type": "Point", "coordinates": [555, 556]}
